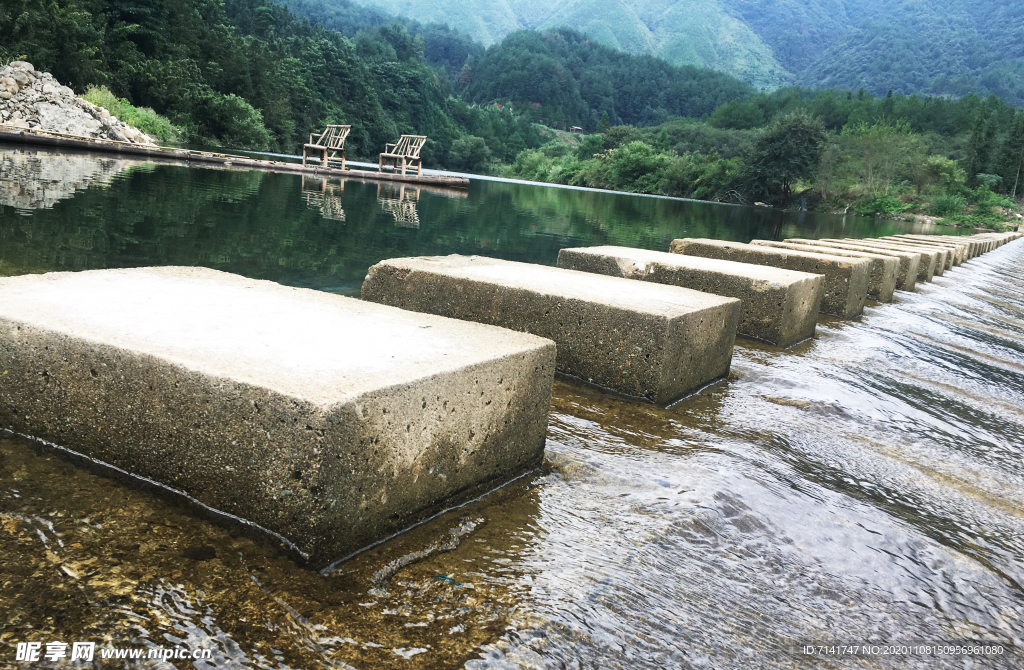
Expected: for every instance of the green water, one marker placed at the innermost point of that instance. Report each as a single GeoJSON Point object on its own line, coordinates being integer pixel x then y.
{"type": "Point", "coordinates": [80, 212]}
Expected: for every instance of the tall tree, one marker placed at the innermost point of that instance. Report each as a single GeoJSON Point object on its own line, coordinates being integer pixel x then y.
{"type": "Point", "coordinates": [786, 151]}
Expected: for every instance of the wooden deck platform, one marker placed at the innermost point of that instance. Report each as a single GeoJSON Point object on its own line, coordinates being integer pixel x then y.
{"type": "Point", "coordinates": [10, 135]}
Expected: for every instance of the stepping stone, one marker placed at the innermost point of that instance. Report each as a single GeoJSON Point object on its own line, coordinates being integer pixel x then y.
{"type": "Point", "coordinates": [649, 341]}
{"type": "Point", "coordinates": [882, 279]}
{"type": "Point", "coordinates": [909, 262]}
{"type": "Point", "coordinates": [328, 421]}
{"type": "Point", "coordinates": [947, 253]}
{"type": "Point", "coordinates": [846, 279]}
{"type": "Point", "coordinates": [926, 270]}
{"type": "Point", "coordinates": [960, 247]}
{"type": "Point", "coordinates": [779, 306]}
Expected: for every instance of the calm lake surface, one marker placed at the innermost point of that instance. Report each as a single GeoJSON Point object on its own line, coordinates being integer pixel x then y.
{"type": "Point", "coordinates": [865, 487]}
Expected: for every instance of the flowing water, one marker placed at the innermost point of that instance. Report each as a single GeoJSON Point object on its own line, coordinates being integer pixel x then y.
{"type": "Point", "coordinates": [865, 488]}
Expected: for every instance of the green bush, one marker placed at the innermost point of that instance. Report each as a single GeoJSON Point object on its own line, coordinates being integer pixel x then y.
{"type": "Point", "coordinates": [881, 204]}
{"type": "Point", "coordinates": [469, 154]}
{"type": "Point", "coordinates": [143, 118]}
{"type": "Point", "coordinates": [637, 167]}
{"type": "Point", "coordinates": [237, 123]}
{"type": "Point", "coordinates": [948, 204]}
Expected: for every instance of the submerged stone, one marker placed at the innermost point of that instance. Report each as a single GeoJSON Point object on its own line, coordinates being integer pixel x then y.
{"type": "Point", "coordinates": [328, 420]}
{"type": "Point", "coordinates": [779, 306]}
{"type": "Point", "coordinates": [647, 340]}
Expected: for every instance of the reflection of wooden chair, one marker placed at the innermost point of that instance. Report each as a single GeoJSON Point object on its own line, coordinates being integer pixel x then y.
{"type": "Point", "coordinates": [407, 150]}
{"type": "Point", "coordinates": [325, 197]}
{"type": "Point", "coordinates": [328, 144]}
{"type": "Point", "coordinates": [400, 203]}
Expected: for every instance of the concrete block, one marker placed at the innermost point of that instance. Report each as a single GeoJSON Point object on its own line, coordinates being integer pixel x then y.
{"type": "Point", "coordinates": [846, 279]}
{"type": "Point", "coordinates": [959, 248]}
{"type": "Point", "coordinates": [909, 262]}
{"type": "Point", "coordinates": [882, 277]}
{"type": "Point", "coordinates": [327, 420]}
{"type": "Point", "coordinates": [947, 253]}
{"type": "Point", "coordinates": [929, 258]}
{"type": "Point", "coordinates": [644, 340]}
{"type": "Point", "coordinates": [779, 306]}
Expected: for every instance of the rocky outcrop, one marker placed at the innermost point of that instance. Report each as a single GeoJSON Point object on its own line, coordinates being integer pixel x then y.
{"type": "Point", "coordinates": [31, 99]}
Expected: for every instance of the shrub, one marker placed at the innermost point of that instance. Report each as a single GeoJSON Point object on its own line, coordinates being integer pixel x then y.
{"type": "Point", "coordinates": [469, 153]}
{"type": "Point", "coordinates": [948, 204]}
{"type": "Point", "coordinates": [230, 118]}
{"type": "Point", "coordinates": [881, 204]}
{"type": "Point", "coordinates": [143, 118]}
{"type": "Point", "coordinates": [637, 167]}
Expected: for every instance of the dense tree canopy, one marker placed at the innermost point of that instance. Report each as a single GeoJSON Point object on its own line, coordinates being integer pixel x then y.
{"type": "Point", "coordinates": [576, 81]}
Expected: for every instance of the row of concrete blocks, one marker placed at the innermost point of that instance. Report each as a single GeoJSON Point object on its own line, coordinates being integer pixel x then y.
{"type": "Point", "coordinates": [334, 422]}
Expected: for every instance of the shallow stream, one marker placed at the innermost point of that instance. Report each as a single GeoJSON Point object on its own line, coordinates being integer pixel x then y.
{"type": "Point", "coordinates": [863, 488]}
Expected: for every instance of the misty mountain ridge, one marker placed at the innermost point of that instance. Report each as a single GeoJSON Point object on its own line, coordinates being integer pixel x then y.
{"type": "Point", "coordinates": [938, 47]}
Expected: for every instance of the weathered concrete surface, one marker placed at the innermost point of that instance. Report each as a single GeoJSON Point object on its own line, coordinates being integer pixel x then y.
{"type": "Point", "coordinates": [947, 253]}
{"type": "Point", "coordinates": [779, 306]}
{"type": "Point", "coordinates": [929, 258]}
{"type": "Point", "coordinates": [331, 421]}
{"type": "Point", "coordinates": [646, 340]}
{"type": "Point", "coordinates": [909, 262]}
{"type": "Point", "coordinates": [846, 279]}
{"type": "Point", "coordinates": [882, 277]}
{"type": "Point", "coordinates": [958, 249]}
{"type": "Point", "coordinates": [962, 246]}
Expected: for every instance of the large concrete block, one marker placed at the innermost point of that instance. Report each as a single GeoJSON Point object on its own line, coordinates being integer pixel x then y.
{"type": "Point", "coordinates": [959, 247]}
{"type": "Point", "coordinates": [881, 280]}
{"type": "Point", "coordinates": [779, 306]}
{"type": "Point", "coordinates": [929, 259]}
{"type": "Point", "coordinates": [846, 279]}
{"type": "Point", "coordinates": [909, 262]}
{"type": "Point", "coordinates": [645, 340]}
{"type": "Point", "coordinates": [947, 253]}
{"type": "Point", "coordinates": [328, 420]}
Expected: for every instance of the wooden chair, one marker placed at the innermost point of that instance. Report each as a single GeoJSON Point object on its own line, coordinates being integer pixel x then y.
{"type": "Point", "coordinates": [328, 145]}
{"type": "Point", "coordinates": [406, 149]}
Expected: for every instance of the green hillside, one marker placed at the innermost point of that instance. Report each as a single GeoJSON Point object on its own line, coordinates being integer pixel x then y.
{"type": "Point", "coordinates": [684, 32]}
{"type": "Point", "coordinates": [952, 47]}
{"type": "Point", "coordinates": [942, 47]}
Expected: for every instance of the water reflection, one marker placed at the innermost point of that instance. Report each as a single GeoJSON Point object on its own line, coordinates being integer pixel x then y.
{"type": "Point", "coordinates": [400, 200]}
{"type": "Point", "coordinates": [285, 228]}
{"type": "Point", "coordinates": [322, 195]}
{"type": "Point", "coordinates": [38, 180]}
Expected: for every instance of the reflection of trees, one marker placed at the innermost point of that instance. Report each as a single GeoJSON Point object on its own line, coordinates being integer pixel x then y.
{"type": "Point", "coordinates": [31, 179]}
{"type": "Point", "coordinates": [259, 224]}
{"type": "Point", "coordinates": [322, 195]}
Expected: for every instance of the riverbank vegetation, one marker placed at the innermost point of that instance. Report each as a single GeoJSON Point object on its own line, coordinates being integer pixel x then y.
{"type": "Point", "coordinates": [142, 118]}
{"type": "Point", "coordinates": [957, 160]}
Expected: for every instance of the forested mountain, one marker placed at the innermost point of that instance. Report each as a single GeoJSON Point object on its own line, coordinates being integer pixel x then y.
{"type": "Point", "coordinates": [250, 74]}
{"type": "Point", "coordinates": [577, 82]}
{"type": "Point", "coordinates": [938, 47]}
{"type": "Point", "coordinates": [942, 47]}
